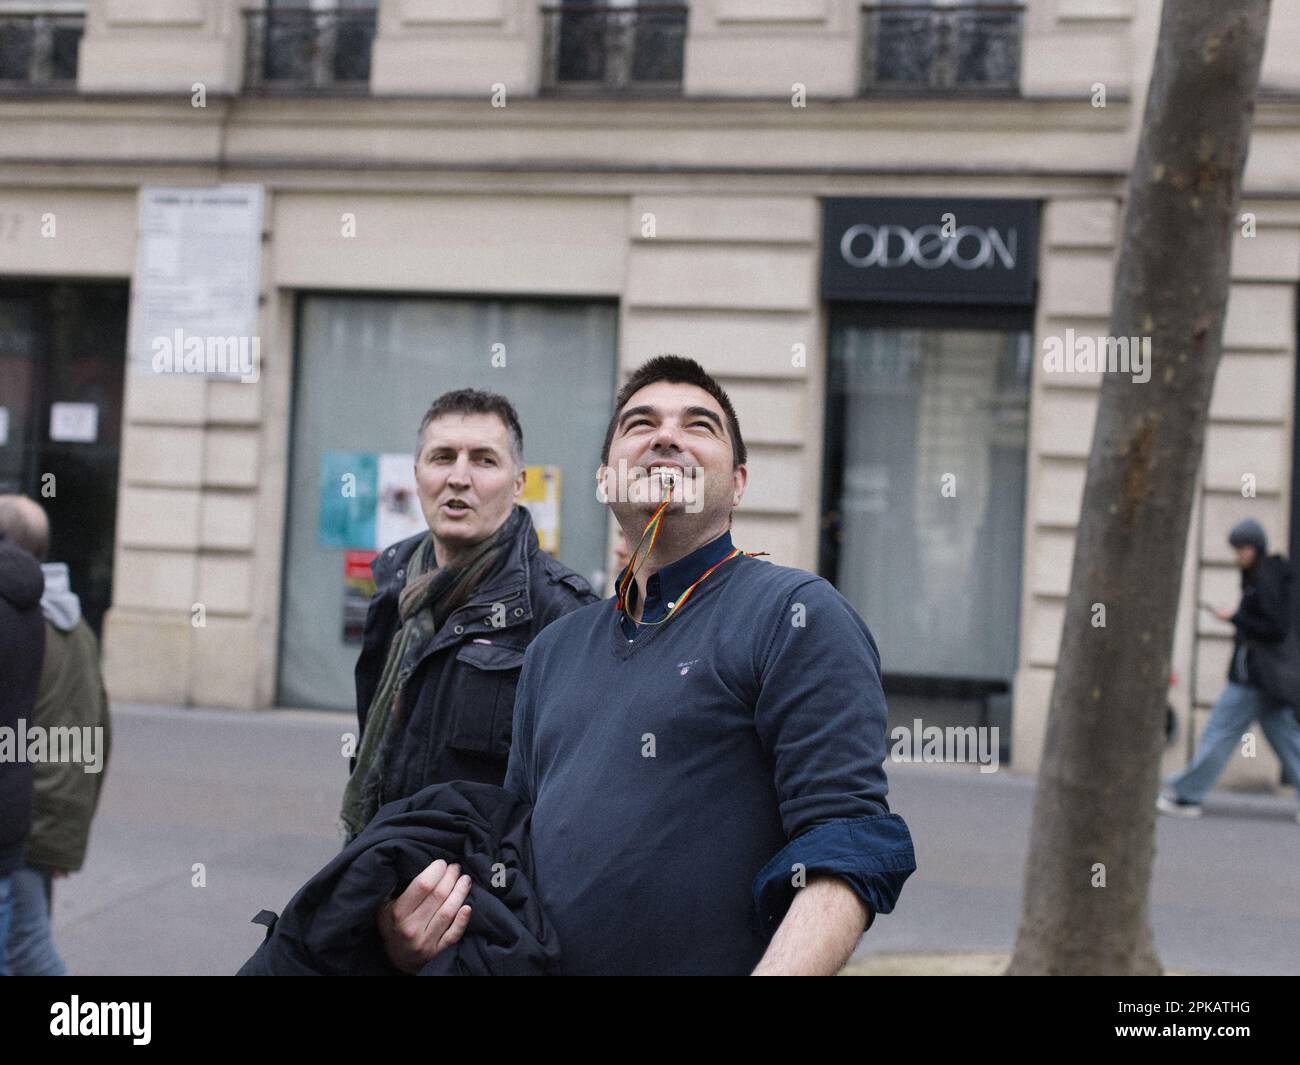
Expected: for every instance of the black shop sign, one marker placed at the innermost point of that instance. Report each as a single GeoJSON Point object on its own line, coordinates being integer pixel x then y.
{"type": "Point", "coordinates": [941, 250]}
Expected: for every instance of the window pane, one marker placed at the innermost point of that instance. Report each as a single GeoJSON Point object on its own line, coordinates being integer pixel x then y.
{"type": "Point", "coordinates": [935, 571]}
{"type": "Point", "coordinates": [367, 370]}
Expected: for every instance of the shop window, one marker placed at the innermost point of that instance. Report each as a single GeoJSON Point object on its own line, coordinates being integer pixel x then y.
{"type": "Point", "coordinates": [366, 370]}
{"type": "Point", "coordinates": [925, 493]}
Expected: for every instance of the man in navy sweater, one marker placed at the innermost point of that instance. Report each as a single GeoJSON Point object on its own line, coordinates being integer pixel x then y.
{"type": "Point", "coordinates": [704, 752]}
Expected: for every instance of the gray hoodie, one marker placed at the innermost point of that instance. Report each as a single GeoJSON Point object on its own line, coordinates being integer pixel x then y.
{"type": "Point", "coordinates": [60, 604]}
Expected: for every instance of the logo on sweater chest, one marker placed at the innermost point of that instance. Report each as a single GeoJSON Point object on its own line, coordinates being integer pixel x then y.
{"type": "Point", "coordinates": [685, 667]}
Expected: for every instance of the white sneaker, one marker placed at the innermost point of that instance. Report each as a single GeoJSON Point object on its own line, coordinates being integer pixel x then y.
{"type": "Point", "coordinates": [1167, 804]}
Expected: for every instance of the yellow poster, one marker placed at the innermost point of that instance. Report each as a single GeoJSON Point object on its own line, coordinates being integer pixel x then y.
{"type": "Point", "coordinates": [542, 498]}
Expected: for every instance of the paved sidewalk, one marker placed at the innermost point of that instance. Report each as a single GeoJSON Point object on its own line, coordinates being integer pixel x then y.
{"type": "Point", "coordinates": [1223, 897]}
{"type": "Point", "coordinates": [253, 797]}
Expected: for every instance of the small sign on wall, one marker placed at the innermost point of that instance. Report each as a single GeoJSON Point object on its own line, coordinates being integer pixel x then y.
{"type": "Point", "coordinates": [197, 275]}
{"type": "Point", "coordinates": [358, 587]}
{"type": "Point", "coordinates": [398, 514]}
{"type": "Point", "coordinates": [74, 423]}
{"type": "Point", "coordinates": [348, 490]}
{"type": "Point", "coordinates": [542, 498]}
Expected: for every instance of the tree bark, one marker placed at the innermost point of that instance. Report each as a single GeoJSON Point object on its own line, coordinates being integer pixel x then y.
{"type": "Point", "coordinates": [1094, 807]}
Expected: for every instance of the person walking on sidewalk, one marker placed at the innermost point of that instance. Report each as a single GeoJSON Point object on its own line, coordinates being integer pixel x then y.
{"type": "Point", "coordinates": [22, 649]}
{"type": "Point", "coordinates": [1254, 693]}
{"type": "Point", "coordinates": [66, 793]}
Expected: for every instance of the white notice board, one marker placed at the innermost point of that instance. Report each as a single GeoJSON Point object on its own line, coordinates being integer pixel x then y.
{"type": "Point", "coordinates": [197, 269]}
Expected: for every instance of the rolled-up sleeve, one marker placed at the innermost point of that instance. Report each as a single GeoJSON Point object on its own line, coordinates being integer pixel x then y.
{"type": "Point", "coordinates": [821, 717]}
{"type": "Point", "coordinates": [873, 855]}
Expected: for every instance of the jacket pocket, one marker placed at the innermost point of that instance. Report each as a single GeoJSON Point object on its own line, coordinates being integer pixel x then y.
{"type": "Point", "coordinates": [483, 699]}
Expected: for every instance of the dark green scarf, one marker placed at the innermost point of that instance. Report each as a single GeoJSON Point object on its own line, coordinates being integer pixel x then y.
{"type": "Point", "coordinates": [430, 595]}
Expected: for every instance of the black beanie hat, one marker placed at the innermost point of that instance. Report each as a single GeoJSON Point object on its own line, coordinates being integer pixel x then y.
{"type": "Point", "coordinates": [1249, 532]}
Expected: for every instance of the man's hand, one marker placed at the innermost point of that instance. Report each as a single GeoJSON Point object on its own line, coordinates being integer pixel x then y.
{"type": "Point", "coordinates": [1223, 614]}
{"type": "Point", "coordinates": [426, 918]}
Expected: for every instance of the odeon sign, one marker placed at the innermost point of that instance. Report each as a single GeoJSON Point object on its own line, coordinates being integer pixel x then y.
{"type": "Point", "coordinates": [940, 250]}
{"type": "Point", "coordinates": [888, 247]}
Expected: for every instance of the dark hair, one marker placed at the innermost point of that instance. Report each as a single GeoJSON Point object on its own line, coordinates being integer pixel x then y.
{"type": "Point", "coordinates": [474, 401]}
{"type": "Point", "coordinates": [677, 370]}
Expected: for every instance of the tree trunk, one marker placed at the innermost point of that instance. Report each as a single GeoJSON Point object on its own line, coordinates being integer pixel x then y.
{"type": "Point", "coordinates": [1094, 808]}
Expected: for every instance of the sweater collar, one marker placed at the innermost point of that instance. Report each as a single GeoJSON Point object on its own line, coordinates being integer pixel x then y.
{"type": "Point", "coordinates": [666, 585]}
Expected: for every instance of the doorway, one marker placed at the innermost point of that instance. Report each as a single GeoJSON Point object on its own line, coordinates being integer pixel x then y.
{"type": "Point", "coordinates": [924, 500]}
{"type": "Point", "coordinates": [62, 368]}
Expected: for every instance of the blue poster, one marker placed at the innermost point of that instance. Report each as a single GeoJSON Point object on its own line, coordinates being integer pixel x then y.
{"type": "Point", "coordinates": [349, 493]}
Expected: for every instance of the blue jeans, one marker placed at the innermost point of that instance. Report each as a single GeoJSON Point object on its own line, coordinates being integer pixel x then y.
{"type": "Point", "coordinates": [1237, 708]}
{"type": "Point", "coordinates": [6, 908]}
{"type": "Point", "coordinates": [31, 950]}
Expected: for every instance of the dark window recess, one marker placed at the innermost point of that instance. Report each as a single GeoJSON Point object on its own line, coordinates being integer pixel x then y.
{"type": "Point", "coordinates": [66, 343]}
{"type": "Point", "coordinates": [298, 49]}
{"type": "Point", "coordinates": [603, 48]}
{"type": "Point", "coordinates": [924, 496]}
{"type": "Point", "coordinates": [924, 48]}
{"type": "Point", "coordinates": [39, 51]}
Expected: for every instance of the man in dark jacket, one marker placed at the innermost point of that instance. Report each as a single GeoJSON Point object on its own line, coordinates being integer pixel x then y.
{"type": "Point", "coordinates": [22, 650]}
{"type": "Point", "coordinates": [66, 792]}
{"type": "Point", "coordinates": [453, 612]}
{"type": "Point", "coordinates": [1263, 617]}
{"type": "Point", "coordinates": [707, 785]}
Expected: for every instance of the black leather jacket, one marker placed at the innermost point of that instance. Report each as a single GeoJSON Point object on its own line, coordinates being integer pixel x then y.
{"type": "Point", "coordinates": [461, 695]}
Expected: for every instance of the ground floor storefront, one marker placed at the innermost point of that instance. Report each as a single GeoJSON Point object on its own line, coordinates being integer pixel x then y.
{"type": "Point", "coordinates": [908, 439]}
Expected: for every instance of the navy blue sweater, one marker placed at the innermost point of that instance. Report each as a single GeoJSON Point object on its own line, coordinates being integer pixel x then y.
{"type": "Point", "coordinates": [686, 782]}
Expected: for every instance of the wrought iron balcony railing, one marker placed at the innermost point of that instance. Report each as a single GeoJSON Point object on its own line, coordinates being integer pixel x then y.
{"type": "Point", "coordinates": [930, 48]}
{"type": "Point", "coordinates": [601, 48]}
{"type": "Point", "coordinates": [39, 51]}
{"type": "Point", "coordinates": [308, 50]}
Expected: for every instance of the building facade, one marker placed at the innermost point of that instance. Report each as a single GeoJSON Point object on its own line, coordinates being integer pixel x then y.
{"type": "Point", "coordinates": [869, 221]}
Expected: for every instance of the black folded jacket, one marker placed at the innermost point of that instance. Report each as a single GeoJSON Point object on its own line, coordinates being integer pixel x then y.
{"type": "Point", "coordinates": [329, 929]}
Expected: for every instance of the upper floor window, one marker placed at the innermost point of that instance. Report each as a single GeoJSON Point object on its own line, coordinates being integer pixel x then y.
{"type": "Point", "coordinates": [309, 45]}
{"type": "Point", "coordinates": [619, 46]}
{"type": "Point", "coordinates": [39, 44]}
{"type": "Point", "coordinates": [941, 47]}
